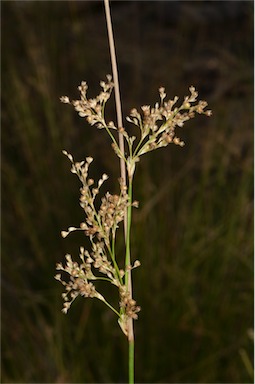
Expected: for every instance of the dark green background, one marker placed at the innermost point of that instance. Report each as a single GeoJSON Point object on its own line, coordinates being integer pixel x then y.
{"type": "Point", "coordinates": [193, 232]}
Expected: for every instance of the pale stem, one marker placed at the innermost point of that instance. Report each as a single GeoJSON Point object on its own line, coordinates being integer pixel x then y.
{"type": "Point", "coordinates": [116, 86]}
{"type": "Point", "coordinates": [123, 176]}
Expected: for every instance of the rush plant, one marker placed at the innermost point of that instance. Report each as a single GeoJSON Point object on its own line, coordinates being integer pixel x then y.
{"type": "Point", "coordinates": [156, 128]}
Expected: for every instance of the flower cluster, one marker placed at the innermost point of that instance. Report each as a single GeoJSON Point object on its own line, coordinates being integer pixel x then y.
{"type": "Point", "coordinates": [100, 226]}
{"type": "Point", "coordinates": [79, 282]}
{"type": "Point", "coordinates": [156, 124]}
{"type": "Point", "coordinates": [104, 222]}
{"type": "Point", "coordinates": [92, 109]}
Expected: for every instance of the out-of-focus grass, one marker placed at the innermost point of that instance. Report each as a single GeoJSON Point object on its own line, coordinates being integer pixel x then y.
{"type": "Point", "coordinates": [193, 231]}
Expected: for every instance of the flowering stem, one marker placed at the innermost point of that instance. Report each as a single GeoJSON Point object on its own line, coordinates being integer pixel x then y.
{"type": "Point", "coordinates": [127, 219]}
{"type": "Point", "coordinates": [128, 283]}
{"type": "Point", "coordinates": [131, 361]}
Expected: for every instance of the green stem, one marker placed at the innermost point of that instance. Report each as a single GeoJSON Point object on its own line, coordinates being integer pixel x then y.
{"type": "Point", "coordinates": [129, 218]}
{"type": "Point", "coordinates": [111, 135]}
{"type": "Point", "coordinates": [112, 253]}
{"type": "Point", "coordinates": [131, 361]}
{"type": "Point", "coordinates": [128, 283]}
{"type": "Point", "coordinates": [111, 307]}
{"type": "Point", "coordinates": [138, 146]}
{"type": "Point", "coordinates": [121, 154]}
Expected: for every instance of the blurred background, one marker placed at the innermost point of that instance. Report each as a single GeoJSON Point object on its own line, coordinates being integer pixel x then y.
{"type": "Point", "coordinates": [193, 232]}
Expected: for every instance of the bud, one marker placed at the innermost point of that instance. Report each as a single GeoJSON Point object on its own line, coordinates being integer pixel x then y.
{"type": "Point", "coordinates": [186, 105]}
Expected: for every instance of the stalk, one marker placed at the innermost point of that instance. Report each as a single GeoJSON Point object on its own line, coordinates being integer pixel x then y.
{"type": "Point", "coordinates": [128, 283]}
{"type": "Point", "coordinates": [116, 85]}
{"type": "Point", "coordinates": [129, 219]}
{"type": "Point", "coordinates": [131, 359]}
{"type": "Point", "coordinates": [128, 214]}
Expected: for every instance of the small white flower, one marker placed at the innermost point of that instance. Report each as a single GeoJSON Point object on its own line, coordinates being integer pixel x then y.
{"type": "Point", "coordinates": [65, 99]}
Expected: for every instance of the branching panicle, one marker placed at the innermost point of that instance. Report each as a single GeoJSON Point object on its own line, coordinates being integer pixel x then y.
{"type": "Point", "coordinates": [157, 126]}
